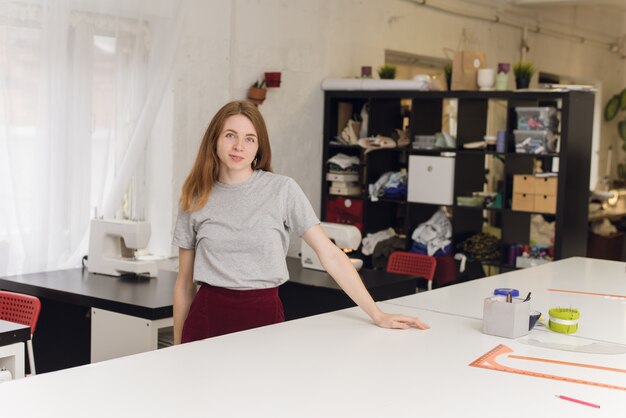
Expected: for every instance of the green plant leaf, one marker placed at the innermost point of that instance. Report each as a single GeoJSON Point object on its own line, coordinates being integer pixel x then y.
{"type": "Point", "coordinates": [621, 170]}
{"type": "Point", "coordinates": [611, 108]}
{"type": "Point", "coordinates": [387, 71]}
{"type": "Point", "coordinates": [622, 100]}
{"type": "Point", "coordinates": [524, 69]}
{"type": "Point", "coordinates": [621, 128]}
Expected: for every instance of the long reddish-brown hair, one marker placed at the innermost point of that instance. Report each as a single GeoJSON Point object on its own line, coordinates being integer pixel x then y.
{"type": "Point", "coordinates": [205, 170]}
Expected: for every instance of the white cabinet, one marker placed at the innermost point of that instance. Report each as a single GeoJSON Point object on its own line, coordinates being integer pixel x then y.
{"type": "Point", "coordinates": [12, 359]}
{"type": "Point", "coordinates": [116, 335]}
{"type": "Point", "coordinates": [431, 179]}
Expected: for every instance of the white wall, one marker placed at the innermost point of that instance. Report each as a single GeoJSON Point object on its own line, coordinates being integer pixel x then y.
{"type": "Point", "coordinates": [229, 44]}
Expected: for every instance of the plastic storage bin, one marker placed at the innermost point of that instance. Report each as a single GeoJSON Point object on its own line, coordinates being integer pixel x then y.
{"type": "Point", "coordinates": [424, 142]}
{"type": "Point", "coordinates": [537, 118]}
{"type": "Point", "coordinates": [534, 142]}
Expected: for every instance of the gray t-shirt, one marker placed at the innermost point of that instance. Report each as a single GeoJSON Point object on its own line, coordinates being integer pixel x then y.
{"type": "Point", "coordinates": [241, 235]}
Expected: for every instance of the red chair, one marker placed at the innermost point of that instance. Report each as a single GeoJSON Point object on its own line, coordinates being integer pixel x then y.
{"type": "Point", "coordinates": [24, 310]}
{"type": "Point", "coordinates": [413, 264]}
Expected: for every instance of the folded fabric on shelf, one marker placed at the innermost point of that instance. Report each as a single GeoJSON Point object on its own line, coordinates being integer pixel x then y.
{"type": "Point", "coordinates": [371, 239]}
{"type": "Point", "coordinates": [341, 163]}
{"type": "Point", "coordinates": [435, 233]}
{"type": "Point", "coordinates": [391, 184]}
{"type": "Point", "coordinates": [376, 143]}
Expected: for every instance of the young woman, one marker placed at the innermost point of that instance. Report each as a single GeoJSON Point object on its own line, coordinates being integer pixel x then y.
{"type": "Point", "coordinates": [233, 234]}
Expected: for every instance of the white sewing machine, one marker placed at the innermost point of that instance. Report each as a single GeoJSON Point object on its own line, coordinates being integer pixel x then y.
{"type": "Point", "coordinates": [112, 246]}
{"type": "Point", "coordinates": [346, 237]}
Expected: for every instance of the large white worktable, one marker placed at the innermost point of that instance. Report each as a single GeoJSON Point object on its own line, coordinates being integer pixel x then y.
{"type": "Point", "coordinates": [601, 303]}
{"type": "Point", "coordinates": [331, 365]}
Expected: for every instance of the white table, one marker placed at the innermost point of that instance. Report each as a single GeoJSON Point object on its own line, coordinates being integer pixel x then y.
{"type": "Point", "coordinates": [602, 318]}
{"type": "Point", "coordinates": [332, 365]}
{"type": "Point", "coordinates": [335, 364]}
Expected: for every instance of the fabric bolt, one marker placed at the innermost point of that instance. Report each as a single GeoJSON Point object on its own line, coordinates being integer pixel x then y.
{"type": "Point", "coordinates": [383, 250]}
{"type": "Point", "coordinates": [376, 143]}
{"type": "Point", "coordinates": [377, 189]}
{"type": "Point", "coordinates": [371, 239]}
{"type": "Point", "coordinates": [241, 235]}
{"type": "Point", "coordinates": [481, 247]}
{"type": "Point", "coordinates": [218, 311]}
{"type": "Point", "coordinates": [396, 192]}
{"type": "Point", "coordinates": [349, 135]}
{"type": "Point", "coordinates": [336, 169]}
{"type": "Point", "coordinates": [542, 232]}
{"type": "Point", "coordinates": [436, 233]}
{"type": "Point", "coordinates": [344, 161]}
{"type": "Point", "coordinates": [390, 184]}
{"type": "Point", "coordinates": [397, 179]}
{"type": "Point", "coordinates": [419, 248]}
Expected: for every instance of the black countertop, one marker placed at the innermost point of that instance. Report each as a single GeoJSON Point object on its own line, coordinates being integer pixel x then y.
{"type": "Point", "coordinates": [11, 333]}
{"type": "Point", "coordinates": [149, 298]}
{"type": "Point", "coordinates": [152, 298]}
{"type": "Point", "coordinates": [372, 279]}
{"type": "Point", "coordinates": [312, 292]}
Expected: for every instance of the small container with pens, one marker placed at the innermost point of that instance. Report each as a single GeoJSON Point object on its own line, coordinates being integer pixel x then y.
{"type": "Point", "coordinates": [505, 314]}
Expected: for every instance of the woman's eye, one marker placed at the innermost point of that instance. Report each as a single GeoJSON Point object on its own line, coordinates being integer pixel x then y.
{"type": "Point", "coordinates": [229, 135]}
{"type": "Point", "coordinates": [250, 139]}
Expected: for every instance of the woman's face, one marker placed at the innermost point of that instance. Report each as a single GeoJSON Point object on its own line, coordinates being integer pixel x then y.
{"type": "Point", "coordinates": [237, 145]}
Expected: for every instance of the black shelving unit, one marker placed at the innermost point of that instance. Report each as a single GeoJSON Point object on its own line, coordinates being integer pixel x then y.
{"type": "Point", "coordinates": [386, 115]}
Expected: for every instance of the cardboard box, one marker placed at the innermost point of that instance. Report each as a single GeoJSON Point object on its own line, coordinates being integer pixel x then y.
{"type": "Point", "coordinates": [503, 319]}
{"type": "Point", "coordinates": [345, 177]}
{"type": "Point", "coordinates": [524, 202]}
{"type": "Point", "coordinates": [524, 183]}
{"type": "Point", "coordinates": [545, 203]}
{"type": "Point", "coordinates": [546, 185]}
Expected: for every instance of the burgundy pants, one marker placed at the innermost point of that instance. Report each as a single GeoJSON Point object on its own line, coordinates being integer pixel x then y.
{"type": "Point", "coordinates": [218, 311]}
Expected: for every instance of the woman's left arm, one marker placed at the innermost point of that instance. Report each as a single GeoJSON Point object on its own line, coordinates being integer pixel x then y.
{"type": "Point", "coordinates": [338, 265]}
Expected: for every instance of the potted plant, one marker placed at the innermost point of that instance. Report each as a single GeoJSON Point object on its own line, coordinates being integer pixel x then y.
{"type": "Point", "coordinates": [257, 92]}
{"type": "Point", "coordinates": [612, 108]}
{"type": "Point", "coordinates": [523, 73]}
{"type": "Point", "coordinates": [387, 71]}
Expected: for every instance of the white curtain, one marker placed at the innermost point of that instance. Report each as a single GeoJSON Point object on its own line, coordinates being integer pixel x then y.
{"type": "Point", "coordinates": [81, 82]}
